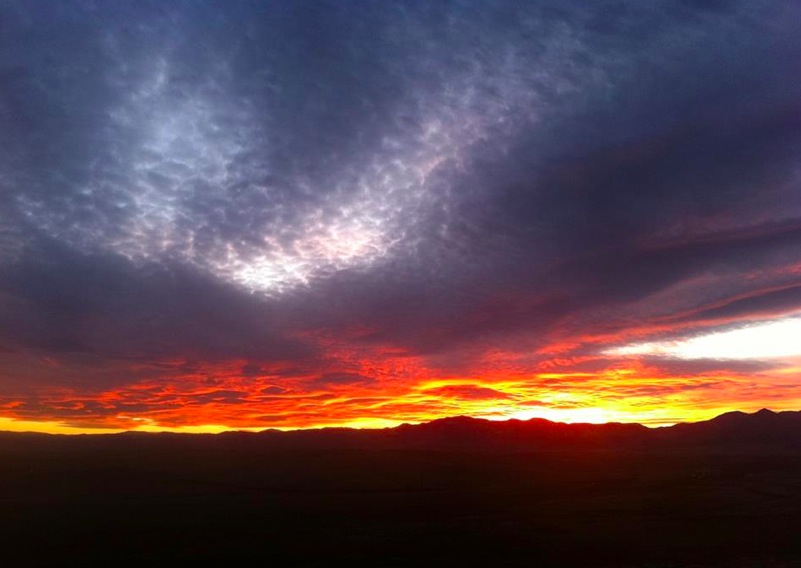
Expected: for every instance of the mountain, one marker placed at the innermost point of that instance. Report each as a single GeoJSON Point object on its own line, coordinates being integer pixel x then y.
{"type": "Point", "coordinates": [452, 492]}
{"type": "Point", "coordinates": [766, 429]}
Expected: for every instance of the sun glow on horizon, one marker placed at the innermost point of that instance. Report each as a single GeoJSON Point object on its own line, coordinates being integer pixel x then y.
{"type": "Point", "coordinates": [50, 427]}
{"type": "Point", "coordinates": [627, 391]}
{"type": "Point", "coordinates": [571, 416]}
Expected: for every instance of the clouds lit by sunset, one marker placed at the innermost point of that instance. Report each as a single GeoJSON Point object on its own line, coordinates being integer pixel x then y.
{"type": "Point", "coordinates": [297, 214]}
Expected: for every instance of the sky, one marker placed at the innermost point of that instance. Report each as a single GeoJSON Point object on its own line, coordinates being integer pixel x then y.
{"type": "Point", "coordinates": [246, 215]}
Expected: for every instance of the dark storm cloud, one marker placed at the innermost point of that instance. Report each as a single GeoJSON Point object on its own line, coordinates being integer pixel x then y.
{"type": "Point", "coordinates": [760, 303]}
{"type": "Point", "coordinates": [61, 300]}
{"type": "Point", "coordinates": [682, 165]}
{"type": "Point", "coordinates": [214, 180]}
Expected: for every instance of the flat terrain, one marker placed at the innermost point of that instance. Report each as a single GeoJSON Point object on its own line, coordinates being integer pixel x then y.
{"type": "Point", "coordinates": [149, 502]}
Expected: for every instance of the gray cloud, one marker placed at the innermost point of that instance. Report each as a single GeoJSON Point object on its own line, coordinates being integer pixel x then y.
{"type": "Point", "coordinates": [215, 181]}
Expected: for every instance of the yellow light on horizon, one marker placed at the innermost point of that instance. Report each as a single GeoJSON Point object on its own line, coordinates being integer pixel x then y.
{"type": "Point", "coordinates": [50, 427]}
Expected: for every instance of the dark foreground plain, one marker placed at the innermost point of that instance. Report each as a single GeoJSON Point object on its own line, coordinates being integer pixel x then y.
{"type": "Point", "coordinates": [456, 492]}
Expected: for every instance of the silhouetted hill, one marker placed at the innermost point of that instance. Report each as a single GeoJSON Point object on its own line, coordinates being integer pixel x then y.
{"type": "Point", "coordinates": [766, 429]}
{"type": "Point", "coordinates": [471, 433]}
{"type": "Point", "coordinates": [724, 493]}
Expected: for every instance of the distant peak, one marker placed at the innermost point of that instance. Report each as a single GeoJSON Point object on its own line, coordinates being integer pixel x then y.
{"type": "Point", "coordinates": [739, 416]}
{"type": "Point", "coordinates": [456, 421]}
{"type": "Point", "coordinates": [734, 414]}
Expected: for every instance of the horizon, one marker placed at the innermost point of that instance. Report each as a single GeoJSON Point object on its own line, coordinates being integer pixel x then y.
{"type": "Point", "coordinates": [61, 430]}
{"type": "Point", "coordinates": [221, 216]}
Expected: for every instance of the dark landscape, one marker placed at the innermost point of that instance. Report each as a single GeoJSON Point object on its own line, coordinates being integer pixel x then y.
{"type": "Point", "coordinates": [240, 237]}
{"type": "Point", "coordinates": [452, 492]}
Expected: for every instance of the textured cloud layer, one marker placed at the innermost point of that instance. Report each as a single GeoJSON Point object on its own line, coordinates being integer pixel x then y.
{"type": "Point", "coordinates": [342, 211]}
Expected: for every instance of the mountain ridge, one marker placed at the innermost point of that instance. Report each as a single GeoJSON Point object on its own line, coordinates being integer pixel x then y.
{"type": "Point", "coordinates": [764, 428]}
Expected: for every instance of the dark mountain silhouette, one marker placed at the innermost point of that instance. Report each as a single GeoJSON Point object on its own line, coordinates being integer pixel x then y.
{"type": "Point", "coordinates": [765, 428]}
{"type": "Point", "coordinates": [452, 492]}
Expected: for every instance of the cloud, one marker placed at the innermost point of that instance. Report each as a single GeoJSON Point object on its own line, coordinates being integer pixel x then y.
{"type": "Point", "coordinates": [764, 341]}
{"type": "Point", "coordinates": [321, 197]}
{"type": "Point", "coordinates": [467, 392]}
{"type": "Point", "coordinates": [340, 379]}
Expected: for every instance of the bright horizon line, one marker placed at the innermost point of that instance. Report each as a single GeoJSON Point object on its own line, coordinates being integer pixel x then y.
{"type": "Point", "coordinates": [57, 428]}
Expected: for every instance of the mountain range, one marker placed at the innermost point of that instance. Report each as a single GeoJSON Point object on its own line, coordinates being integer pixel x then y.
{"type": "Point", "coordinates": [732, 430]}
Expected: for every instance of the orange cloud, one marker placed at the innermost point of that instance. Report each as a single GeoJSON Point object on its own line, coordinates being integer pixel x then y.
{"type": "Point", "coordinates": [390, 389]}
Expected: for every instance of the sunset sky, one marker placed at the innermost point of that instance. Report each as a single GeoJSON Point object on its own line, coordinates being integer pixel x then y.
{"type": "Point", "coordinates": [230, 214]}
